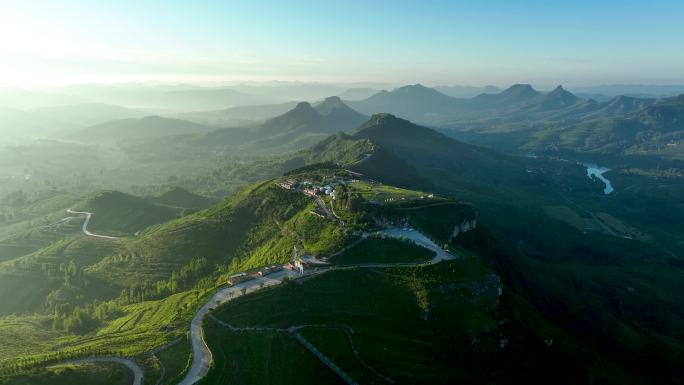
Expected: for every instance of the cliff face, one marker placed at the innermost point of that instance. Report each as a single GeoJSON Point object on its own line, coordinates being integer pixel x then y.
{"type": "Point", "coordinates": [463, 227]}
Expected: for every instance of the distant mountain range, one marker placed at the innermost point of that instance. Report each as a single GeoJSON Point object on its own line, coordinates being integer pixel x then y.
{"type": "Point", "coordinates": [297, 128]}
{"type": "Point", "coordinates": [656, 129]}
{"type": "Point", "coordinates": [518, 119]}
{"type": "Point", "coordinates": [467, 91]}
{"type": "Point", "coordinates": [414, 102]}
{"type": "Point", "coordinates": [137, 130]}
{"type": "Point", "coordinates": [358, 93]}
{"type": "Point", "coordinates": [239, 115]}
{"type": "Point", "coordinates": [633, 90]}
{"type": "Point", "coordinates": [86, 114]}
{"type": "Point", "coordinates": [518, 103]}
{"type": "Point", "coordinates": [19, 123]}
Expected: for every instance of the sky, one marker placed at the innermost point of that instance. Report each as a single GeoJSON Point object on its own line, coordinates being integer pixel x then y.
{"type": "Point", "coordinates": [56, 42]}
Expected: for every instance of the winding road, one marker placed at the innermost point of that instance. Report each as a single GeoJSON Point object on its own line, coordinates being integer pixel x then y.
{"type": "Point", "coordinates": [201, 354]}
{"type": "Point", "coordinates": [85, 225]}
{"type": "Point", "coordinates": [202, 357]}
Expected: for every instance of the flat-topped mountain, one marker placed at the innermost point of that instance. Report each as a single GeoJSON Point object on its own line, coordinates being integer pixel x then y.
{"type": "Point", "coordinates": [414, 102]}
{"type": "Point", "coordinates": [514, 95]}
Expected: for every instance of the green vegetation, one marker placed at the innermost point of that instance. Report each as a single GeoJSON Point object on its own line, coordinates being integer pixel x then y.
{"type": "Point", "coordinates": [127, 296]}
{"type": "Point", "coordinates": [610, 286]}
{"type": "Point", "coordinates": [130, 330]}
{"type": "Point", "coordinates": [68, 374]}
{"type": "Point", "coordinates": [179, 197]}
{"type": "Point", "coordinates": [569, 216]}
{"type": "Point", "coordinates": [176, 360]}
{"type": "Point", "coordinates": [400, 317]}
{"type": "Point", "coordinates": [262, 358]}
{"type": "Point", "coordinates": [336, 344]}
{"type": "Point", "coordinates": [385, 194]}
{"type": "Point", "coordinates": [256, 227]}
{"type": "Point", "coordinates": [116, 213]}
{"type": "Point", "coordinates": [568, 301]}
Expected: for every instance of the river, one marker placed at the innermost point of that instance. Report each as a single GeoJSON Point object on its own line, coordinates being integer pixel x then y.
{"type": "Point", "coordinates": [594, 170]}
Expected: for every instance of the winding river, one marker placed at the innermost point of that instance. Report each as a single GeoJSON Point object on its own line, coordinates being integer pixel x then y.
{"type": "Point", "coordinates": [594, 170]}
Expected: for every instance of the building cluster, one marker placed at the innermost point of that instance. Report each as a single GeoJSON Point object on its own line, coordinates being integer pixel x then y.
{"type": "Point", "coordinates": [311, 188]}
{"type": "Point", "coordinates": [289, 184]}
{"type": "Point", "coordinates": [302, 260]}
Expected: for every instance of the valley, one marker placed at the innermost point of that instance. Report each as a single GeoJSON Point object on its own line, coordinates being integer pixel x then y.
{"type": "Point", "coordinates": [318, 243]}
{"type": "Point", "coordinates": [360, 193]}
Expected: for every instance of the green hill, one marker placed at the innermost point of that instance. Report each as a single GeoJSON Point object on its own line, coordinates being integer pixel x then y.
{"type": "Point", "coordinates": [180, 197]}
{"type": "Point", "coordinates": [411, 325]}
{"type": "Point", "coordinates": [116, 213]}
{"type": "Point", "coordinates": [81, 293]}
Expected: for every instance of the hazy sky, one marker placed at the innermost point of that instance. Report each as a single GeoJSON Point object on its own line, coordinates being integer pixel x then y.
{"type": "Point", "coordinates": [479, 42]}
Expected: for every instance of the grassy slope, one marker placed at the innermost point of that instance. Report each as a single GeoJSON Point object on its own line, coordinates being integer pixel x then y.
{"type": "Point", "coordinates": [180, 197]}
{"type": "Point", "coordinates": [401, 317]}
{"type": "Point", "coordinates": [41, 270]}
{"type": "Point", "coordinates": [261, 359]}
{"type": "Point", "coordinates": [258, 226]}
{"type": "Point", "coordinates": [116, 213]}
{"type": "Point", "coordinates": [21, 225]}
{"type": "Point", "coordinates": [135, 331]}
{"type": "Point", "coordinates": [176, 361]}
{"type": "Point", "coordinates": [91, 374]}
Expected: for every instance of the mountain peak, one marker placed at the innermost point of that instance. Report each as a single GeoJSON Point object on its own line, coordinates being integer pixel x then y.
{"type": "Point", "coordinates": [561, 95]}
{"type": "Point", "coordinates": [330, 103]}
{"type": "Point", "coordinates": [384, 124]}
{"type": "Point", "coordinates": [339, 116]}
{"type": "Point", "coordinates": [383, 117]}
{"type": "Point", "coordinates": [559, 90]}
{"type": "Point", "coordinates": [519, 92]}
{"type": "Point", "coordinates": [333, 99]}
{"type": "Point", "coordinates": [303, 106]}
{"type": "Point", "coordinates": [519, 88]}
{"type": "Point", "coordinates": [303, 115]}
{"type": "Point", "coordinates": [416, 89]}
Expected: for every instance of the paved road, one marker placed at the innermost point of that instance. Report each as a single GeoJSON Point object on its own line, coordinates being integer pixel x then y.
{"type": "Point", "coordinates": [85, 225]}
{"type": "Point", "coordinates": [421, 240]}
{"type": "Point", "coordinates": [201, 354]}
{"type": "Point", "coordinates": [130, 364]}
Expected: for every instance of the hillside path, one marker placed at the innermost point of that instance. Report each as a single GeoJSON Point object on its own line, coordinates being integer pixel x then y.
{"type": "Point", "coordinates": [201, 354]}
{"type": "Point", "coordinates": [85, 225]}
